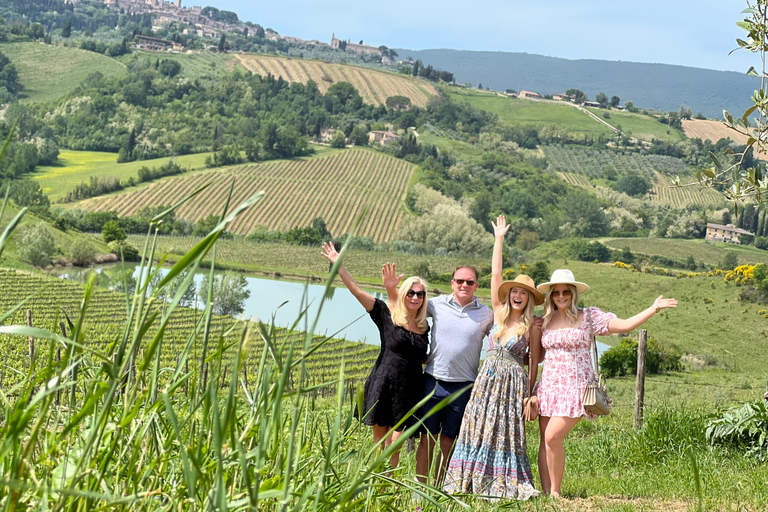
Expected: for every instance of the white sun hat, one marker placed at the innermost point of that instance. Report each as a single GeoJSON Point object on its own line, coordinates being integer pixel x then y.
{"type": "Point", "coordinates": [562, 276]}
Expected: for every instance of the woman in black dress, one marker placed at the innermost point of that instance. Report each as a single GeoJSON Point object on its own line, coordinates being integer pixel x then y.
{"type": "Point", "coordinates": [393, 387]}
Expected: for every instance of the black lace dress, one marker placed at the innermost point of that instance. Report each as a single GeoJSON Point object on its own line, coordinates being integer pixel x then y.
{"type": "Point", "coordinates": [396, 383]}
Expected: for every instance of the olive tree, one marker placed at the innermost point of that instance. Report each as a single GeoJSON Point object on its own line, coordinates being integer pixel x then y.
{"type": "Point", "coordinates": [37, 245]}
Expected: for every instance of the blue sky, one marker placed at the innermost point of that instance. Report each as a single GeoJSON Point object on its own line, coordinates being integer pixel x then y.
{"type": "Point", "coordinates": [685, 32]}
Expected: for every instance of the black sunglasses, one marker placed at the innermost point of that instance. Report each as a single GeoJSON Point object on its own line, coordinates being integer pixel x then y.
{"type": "Point", "coordinates": [419, 295]}
{"type": "Point", "coordinates": [470, 282]}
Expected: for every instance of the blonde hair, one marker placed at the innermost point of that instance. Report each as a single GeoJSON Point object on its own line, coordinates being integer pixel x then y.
{"type": "Point", "coordinates": [400, 312]}
{"type": "Point", "coordinates": [572, 312]}
{"type": "Point", "coordinates": [502, 314]}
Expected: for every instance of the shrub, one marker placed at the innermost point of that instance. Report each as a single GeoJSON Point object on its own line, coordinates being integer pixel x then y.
{"type": "Point", "coordinates": [112, 231]}
{"type": "Point", "coordinates": [128, 252]}
{"type": "Point", "coordinates": [37, 245]}
{"type": "Point", "coordinates": [744, 428]}
{"type": "Point", "coordinates": [583, 250]}
{"type": "Point", "coordinates": [82, 253]}
{"type": "Point", "coordinates": [761, 242]}
{"type": "Point", "coordinates": [622, 359]}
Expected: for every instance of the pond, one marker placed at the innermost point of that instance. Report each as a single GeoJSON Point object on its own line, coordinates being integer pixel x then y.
{"type": "Point", "coordinates": [341, 317]}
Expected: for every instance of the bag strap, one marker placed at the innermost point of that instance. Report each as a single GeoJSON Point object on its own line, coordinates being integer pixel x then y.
{"type": "Point", "coordinates": [592, 341]}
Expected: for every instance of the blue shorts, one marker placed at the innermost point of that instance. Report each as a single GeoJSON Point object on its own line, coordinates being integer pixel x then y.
{"type": "Point", "coordinates": [448, 419]}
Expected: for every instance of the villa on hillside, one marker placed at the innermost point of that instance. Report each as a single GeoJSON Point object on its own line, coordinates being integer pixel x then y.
{"type": "Point", "coordinates": [154, 43]}
{"type": "Point", "coordinates": [563, 97]}
{"type": "Point", "coordinates": [529, 95]}
{"type": "Point", "coordinates": [382, 136]}
{"type": "Point", "coordinates": [592, 104]}
{"type": "Point", "coordinates": [728, 233]}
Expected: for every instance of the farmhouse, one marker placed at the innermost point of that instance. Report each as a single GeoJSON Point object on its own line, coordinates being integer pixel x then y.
{"type": "Point", "coordinates": [592, 104]}
{"type": "Point", "coordinates": [338, 44]}
{"type": "Point", "coordinates": [153, 43]}
{"type": "Point", "coordinates": [382, 137]}
{"type": "Point", "coordinates": [529, 95]}
{"type": "Point", "coordinates": [728, 233]}
{"type": "Point", "coordinates": [563, 97]}
{"type": "Point", "coordinates": [326, 134]}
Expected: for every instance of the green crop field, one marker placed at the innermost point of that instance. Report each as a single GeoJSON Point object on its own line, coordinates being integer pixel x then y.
{"type": "Point", "coordinates": [76, 167]}
{"type": "Point", "coordinates": [703, 252]}
{"type": "Point", "coordinates": [640, 126]}
{"type": "Point", "coordinates": [49, 72]}
{"type": "Point", "coordinates": [194, 65]}
{"type": "Point", "coordinates": [460, 149]}
{"type": "Point", "coordinates": [533, 113]}
{"type": "Point", "coordinates": [336, 186]}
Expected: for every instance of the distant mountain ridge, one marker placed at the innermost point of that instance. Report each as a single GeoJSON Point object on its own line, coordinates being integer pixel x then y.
{"type": "Point", "coordinates": [657, 86]}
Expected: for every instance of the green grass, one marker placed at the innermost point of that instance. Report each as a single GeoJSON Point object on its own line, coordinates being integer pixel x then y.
{"type": "Point", "coordinates": [50, 72]}
{"type": "Point", "coordinates": [639, 126]}
{"type": "Point", "coordinates": [703, 252]}
{"type": "Point", "coordinates": [75, 167]}
{"type": "Point", "coordinates": [536, 114]}
{"type": "Point", "coordinates": [460, 149]}
{"type": "Point", "coordinates": [193, 65]}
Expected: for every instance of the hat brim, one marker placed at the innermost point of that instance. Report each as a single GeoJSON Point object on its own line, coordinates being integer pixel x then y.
{"type": "Point", "coordinates": [503, 293]}
{"type": "Point", "coordinates": [546, 287]}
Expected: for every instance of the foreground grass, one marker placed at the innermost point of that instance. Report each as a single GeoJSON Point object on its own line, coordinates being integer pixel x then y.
{"type": "Point", "coordinates": [50, 72]}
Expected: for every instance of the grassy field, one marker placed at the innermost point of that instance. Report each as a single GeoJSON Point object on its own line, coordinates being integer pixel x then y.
{"type": "Point", "coordinates": [50, 72]}
{"type": "Point", "coordinates": [374, 86]}
{"type": "Point", "coordinates": [335, 186]}
{"type": "Point", "coordinates": [76, 167]}
{"type": "Point", "coordinates": [703, 252]}
{"type": "Point", "coordinates": [533, 113]}
{"type": "Point", "coordinates": [194, 65]}
{"type": "Point", "coordinates": [460, 149]}
{"type": "Point", "coordinates": [639, 126]}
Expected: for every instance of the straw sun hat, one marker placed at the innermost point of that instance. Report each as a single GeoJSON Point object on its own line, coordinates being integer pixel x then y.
{"type": "Point", "coordinates": [563, 276]}
{"type": "Point", "coordinates": [521, 281]}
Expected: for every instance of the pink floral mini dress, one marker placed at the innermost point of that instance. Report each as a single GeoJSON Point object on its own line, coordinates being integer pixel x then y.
{"type": "Point", "coordinates": [568, 366]}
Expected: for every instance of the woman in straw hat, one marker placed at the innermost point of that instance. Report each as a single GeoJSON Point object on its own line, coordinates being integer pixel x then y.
{"type": "Point", "coordinates": [396, 382]}
{"type": "Point", "coordinates": [491, 457]}
{"type": "Point", "coordinates": [567, 368]}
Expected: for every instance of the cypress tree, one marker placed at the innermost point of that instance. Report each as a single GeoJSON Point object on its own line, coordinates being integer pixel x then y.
{"type": "Point", "coordinates": [760, 224]}
{"type": "Point", "coordinates": [67, 30]}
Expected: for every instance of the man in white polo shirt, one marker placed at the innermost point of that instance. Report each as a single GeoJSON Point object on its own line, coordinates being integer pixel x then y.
{"type": "Point", "coordinates": [459, 324]}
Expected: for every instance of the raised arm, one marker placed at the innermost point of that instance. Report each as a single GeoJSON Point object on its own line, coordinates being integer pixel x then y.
{"type": "Point", "coordinates": [391, 281]}
{"type": "Point", "coordinates": [500, 228]}
{"type": "Point", "coordinates": [366, 299]}
{"type": "Point", "coordinates": [620, 325]}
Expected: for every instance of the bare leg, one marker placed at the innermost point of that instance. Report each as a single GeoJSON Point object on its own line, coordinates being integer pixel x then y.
{"type": "Point", "coordinates": [556, 429]}
{"type": "Point", "coordinates": [543, 471]}
{"type": "Point", "coordinates": [446, 449]}
{"type": "Point", "coordinates": [385, 432]}
{"type": "Point", "coordinates": [395, 460]}
{"type": "Point", "coordinates": [424, 456]}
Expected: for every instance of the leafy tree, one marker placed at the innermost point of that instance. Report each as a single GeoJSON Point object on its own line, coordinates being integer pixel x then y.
{"type": "Point", "coordinates": [398, 103]}
{"type": "Point", "coordinates": [344, 91]}
{"type": "Point", "coordinates": [527, 240]}
{"type": "Point", "coordinates": [601, 98]}
{"type": "Point", "coordinates": [761, 242]}
{"type": "Point", "coordinates": [338, 139]}
{"type": "Point", "coordinates": [170, 68]}
{"type": "Point", "coordinates": [539, 272]}
{"type": "Point", "coordinates": [585, 215]}
{"type": "Point", "coordinates": [359, 135]}
{"type": "Point", "coordinates": [730, 260]}
{"type": "Point", "coordinates": [206, 225]}
{"type": "Point", "coordinates": [615, 100]}
{"type": "Point", "coordinates": [9, 77]}
{"type": "Point", "coordinates": [82, 252]}
{"type": "Point", "coordinates": [633, 185]}
{"type": "Point", "coordinates": [112, 231]}
{"type": "Point", "coordinates": [229, 293]}
{"type": "Point", "coordinates": [37, 245]}
{"type": "Point", "coordinates": [578, 96]}
{"type": "Point", "coordinates": [123, 250]}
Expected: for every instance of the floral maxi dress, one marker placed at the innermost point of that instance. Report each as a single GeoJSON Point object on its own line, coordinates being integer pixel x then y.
{"type": "Point", "coordinates": [491, 456]}
{"type": "Point", "coordinates": [568, 366]}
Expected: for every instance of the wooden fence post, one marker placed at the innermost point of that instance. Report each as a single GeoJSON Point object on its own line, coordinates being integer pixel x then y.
{"type": "Point", "coordinates": [31, 339]}
{"type": "Point", "coordinates": [642, 344]}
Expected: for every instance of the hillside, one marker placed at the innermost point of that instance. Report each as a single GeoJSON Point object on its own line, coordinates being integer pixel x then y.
{"type": "Point", "coordinates": [336, 187]}
{"type": "Point", "coordinates": [657, 86]}
{"type": "Point", "coordinates": [374, 86]}
{"type": "Point", "coordinates": [713, 131]}
{"type": "Point", "coordinates": [50, 72]}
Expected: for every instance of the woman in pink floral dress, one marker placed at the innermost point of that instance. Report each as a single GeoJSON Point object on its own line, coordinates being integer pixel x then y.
{"type": "Point", "coordinates": [567, 365]}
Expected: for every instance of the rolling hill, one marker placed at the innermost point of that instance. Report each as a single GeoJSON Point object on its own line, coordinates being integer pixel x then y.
{"type": "Point", "coordinates": [50, 72]}
{"type": "Point", "coordinates": [657, 86]}
{"type": "Point", "coordinates": [337, 187]}
{"type": "Point", "coordinates": [374, 86]}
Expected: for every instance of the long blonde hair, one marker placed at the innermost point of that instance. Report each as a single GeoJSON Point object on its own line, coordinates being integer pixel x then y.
{"type": "Point", "coordinates": [400, 312]}
{"type": "Point", "coordinates": [502, 314]}
{"type": "Point", "coordinates": [572, 312]}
